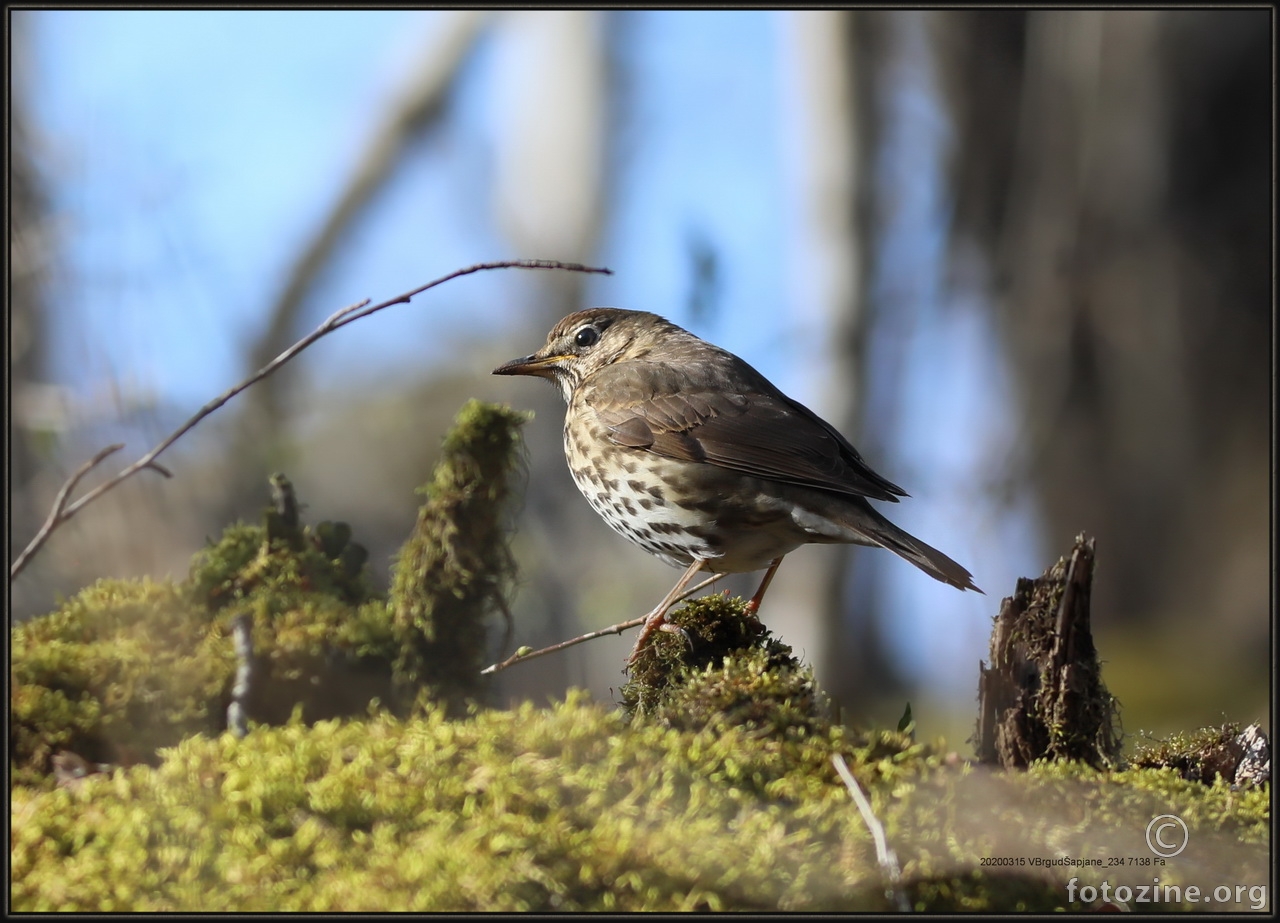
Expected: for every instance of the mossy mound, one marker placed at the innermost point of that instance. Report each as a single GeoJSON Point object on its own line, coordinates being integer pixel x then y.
{"type": "Point", "coordinates": [575, 808]}
{"type": "Point", "coordinates": [122, 668]}
{"type": "Point", "coordinates": [721, 666]}
{"type": "Point", "coordinates": [126, 667]}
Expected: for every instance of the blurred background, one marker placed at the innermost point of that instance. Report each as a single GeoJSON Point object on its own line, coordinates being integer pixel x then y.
{"type": "Point", "coordinates": [1021, 259]}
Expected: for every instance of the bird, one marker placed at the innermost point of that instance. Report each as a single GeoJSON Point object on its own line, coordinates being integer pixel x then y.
{"type": "Point", "coordinates": [686, 450]}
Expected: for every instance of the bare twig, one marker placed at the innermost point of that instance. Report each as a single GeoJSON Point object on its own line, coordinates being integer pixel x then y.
{"type": "Point", "coordinates": [62, 511]}
{"type": "Point", "coordinates": [884, 855]}
{"type": "Point", "coordinates": [524, 653]}
{"type": "Point", "coordinates": [58, 515]}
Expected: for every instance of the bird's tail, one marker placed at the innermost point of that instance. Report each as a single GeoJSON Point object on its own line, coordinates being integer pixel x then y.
{"type": "Point", "coordinates": [929, 559]}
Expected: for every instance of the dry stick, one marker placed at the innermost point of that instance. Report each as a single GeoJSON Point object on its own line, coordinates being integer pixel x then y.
{"type": "Point", "coordinates": [58, 515]}
{"type": "Point", "coordinates": [884, 855]}
{"type": "Point", "coordinates": [521, 655]}
{"type": "Point", "coordinates": [246, 674]}
{"type": "Point", "coordinates": [61, 511]}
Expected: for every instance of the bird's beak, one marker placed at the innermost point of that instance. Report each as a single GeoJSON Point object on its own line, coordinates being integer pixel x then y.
{"type": "Point", "coordinates": [541, 366]}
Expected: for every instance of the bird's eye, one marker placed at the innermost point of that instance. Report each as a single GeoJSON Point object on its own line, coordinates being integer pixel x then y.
{"type": "Point", "coordinates": [587, 336]}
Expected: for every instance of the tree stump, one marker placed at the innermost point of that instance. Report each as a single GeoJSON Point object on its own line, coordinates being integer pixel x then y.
{"type": "Point", "coordinates": [1042, 695]}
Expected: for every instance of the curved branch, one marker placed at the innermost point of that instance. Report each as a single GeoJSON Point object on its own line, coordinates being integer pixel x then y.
{"type": "Point", "coordinates": [62, 511]}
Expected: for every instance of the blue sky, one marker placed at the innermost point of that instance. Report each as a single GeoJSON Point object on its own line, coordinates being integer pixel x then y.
{"type": "Point", "coordinates": [196, 150]}
{"type": "Point", "coordinates": [199, 149]}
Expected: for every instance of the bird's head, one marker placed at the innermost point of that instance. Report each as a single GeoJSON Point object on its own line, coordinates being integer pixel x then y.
{"type": "Point", "coordinates": [587, 341]}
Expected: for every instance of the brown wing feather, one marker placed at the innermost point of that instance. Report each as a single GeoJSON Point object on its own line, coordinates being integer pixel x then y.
{"type": "Point", "coordinates": [758, 431]}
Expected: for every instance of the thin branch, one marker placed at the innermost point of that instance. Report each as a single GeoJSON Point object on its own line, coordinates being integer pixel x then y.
{"type": "Point", "coordinates": [57, 514]}
{"type": "Point", "coordinates": [884, 855]}
{"type": "Point", "coordinates": [524, 653]}
{"type": "Point", "coordinates": [62, 511]}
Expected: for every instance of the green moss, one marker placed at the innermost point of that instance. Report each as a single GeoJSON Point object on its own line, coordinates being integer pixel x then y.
{"type": "Point", "coordinates": [245, 563]}
{"type": "Point", "coordinates": [121, 668]}
{"type": "Point", "coordinates": [125, 667]}
{"type": "Point", "coordinates": [573, 808]}
{"type": "Point", "coordinates": [722, 666]}
{"type": "Point", "coordinates": [721, 796]}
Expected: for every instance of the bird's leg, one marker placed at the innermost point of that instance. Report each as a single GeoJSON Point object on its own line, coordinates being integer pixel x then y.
{"type": "Point", "coordinates": [658, 616]}
{"type": "Point", "coordinates": [753, 604]}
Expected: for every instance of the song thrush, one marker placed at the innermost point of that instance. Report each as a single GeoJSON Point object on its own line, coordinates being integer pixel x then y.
{"type": "Point", "coordinates": [692, 454]}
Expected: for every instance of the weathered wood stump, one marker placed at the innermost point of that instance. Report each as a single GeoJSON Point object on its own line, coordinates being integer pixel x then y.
{"type": "Point", "coordinates": [1042, 695]}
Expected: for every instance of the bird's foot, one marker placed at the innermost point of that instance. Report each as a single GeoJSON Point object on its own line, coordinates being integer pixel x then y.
{"type": "Point", "coordinates": [658, 617]}
{"type": "Point", "coordinates": [674, 629]}
{"type": "Point", "coordinates": [656, 621]}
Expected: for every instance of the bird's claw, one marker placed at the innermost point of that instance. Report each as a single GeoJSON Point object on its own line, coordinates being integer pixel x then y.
{"type": "Point", "coordinates": [677, 630]}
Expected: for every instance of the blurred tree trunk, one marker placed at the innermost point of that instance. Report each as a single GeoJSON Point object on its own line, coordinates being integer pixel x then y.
{"type": "Point", "coordinates": [827, 277]}
{"type": "Point", "coordinates": [885, 47]}
{"type": "Point", "coordinates": [841, 58]}
{"type": "Point", "coordinates": [263, 422]}
{"type": "Point", "coordinates": [1114, 167]}
{"type": "Point", "coordinates": [32, 251]}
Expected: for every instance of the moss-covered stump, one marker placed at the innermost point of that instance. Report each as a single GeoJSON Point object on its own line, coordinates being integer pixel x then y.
{"type": "Point", "coordinates": [575, 808]}
{"type": "Point", "coordinates": [456, 569]}
{"type": "Point", "coordinates": [323, 642]}
{"type": "Point", "coordinates": [126, 667]}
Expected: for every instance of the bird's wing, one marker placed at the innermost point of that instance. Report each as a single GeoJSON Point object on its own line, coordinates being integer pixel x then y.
{"type": "Point", "coordinates": [757, 430]}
